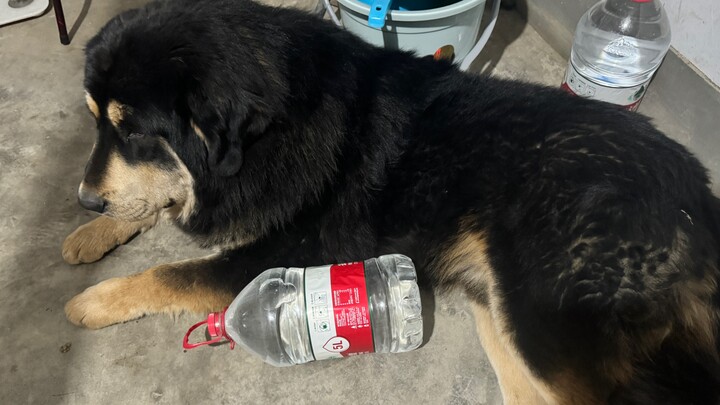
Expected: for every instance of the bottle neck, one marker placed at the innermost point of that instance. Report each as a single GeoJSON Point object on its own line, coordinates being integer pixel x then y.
{"type": "Point", "coordinates": [646, 9]}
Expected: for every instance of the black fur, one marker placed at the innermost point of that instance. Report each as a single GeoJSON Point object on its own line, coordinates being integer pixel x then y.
{"type": "Point", "coordinates": [320, 148]}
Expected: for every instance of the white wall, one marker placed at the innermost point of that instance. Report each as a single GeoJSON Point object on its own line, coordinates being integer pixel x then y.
{"type": "Point", "coordinates": [695, 28]}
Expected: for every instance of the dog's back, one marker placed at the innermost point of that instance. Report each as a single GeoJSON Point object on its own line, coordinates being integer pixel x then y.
{"type": "Point", "coordinates": [590, 238]}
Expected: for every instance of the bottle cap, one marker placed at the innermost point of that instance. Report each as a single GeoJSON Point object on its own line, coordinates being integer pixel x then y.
{"type": "Point", "coordinates": [216, 328]}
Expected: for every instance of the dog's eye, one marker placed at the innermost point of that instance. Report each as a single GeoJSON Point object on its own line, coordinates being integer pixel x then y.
{"type": "Point", "coordinates": [135, 135]}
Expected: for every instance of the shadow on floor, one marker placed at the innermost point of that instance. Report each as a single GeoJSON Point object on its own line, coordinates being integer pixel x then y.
{"type": "Point", "coordinates": [81, 17]}
{"type": "Point", "coordinates": [510, 25]}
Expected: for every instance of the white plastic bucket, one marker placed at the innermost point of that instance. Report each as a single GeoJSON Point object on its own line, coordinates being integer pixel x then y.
{"type": "Point", "coordinates": [423, 31]}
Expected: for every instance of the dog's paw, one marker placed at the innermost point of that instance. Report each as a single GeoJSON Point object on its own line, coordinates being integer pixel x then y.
{"type": "Point", "coordinates": [82, 246]}
{"type": "Point", "coordinates": [104, 304]}
{"type": "Point", "coordinates": [90, 242]}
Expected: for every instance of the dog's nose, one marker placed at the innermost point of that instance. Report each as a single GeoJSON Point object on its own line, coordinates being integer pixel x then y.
{"type": "Point", "coordinates": [90, 200]}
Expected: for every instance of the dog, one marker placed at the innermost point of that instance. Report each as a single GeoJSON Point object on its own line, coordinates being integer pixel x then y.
{"type": "Point", "coordinates": [587, 242]}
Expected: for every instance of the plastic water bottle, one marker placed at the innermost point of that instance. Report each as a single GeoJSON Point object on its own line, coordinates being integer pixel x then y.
{"type": "Point", "coordinates": [290, 316]}
{"type": "Point", "coordinates": [618, 46]}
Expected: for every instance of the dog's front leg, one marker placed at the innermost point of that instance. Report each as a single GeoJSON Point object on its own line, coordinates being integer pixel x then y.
{"type": "Point", "coordinates": [196, 285]}
{"type": "Point", "coordinates": [90, 242]}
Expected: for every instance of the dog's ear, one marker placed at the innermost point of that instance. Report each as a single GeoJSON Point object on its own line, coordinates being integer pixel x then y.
{"type": "Point", "coordinates": [222, 139]}
{"type": "Point", "coordinates": [223, 124]}
{"type": "Point", "coordinates": [230, 106]}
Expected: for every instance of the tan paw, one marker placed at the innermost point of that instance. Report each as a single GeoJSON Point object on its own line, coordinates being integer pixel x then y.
{"type": "Point", "coordinates": [85, 246]}
{"type": "Point", "coordinates": [104, 304]}
{"type": "Point", "coordinates": [90, 242]}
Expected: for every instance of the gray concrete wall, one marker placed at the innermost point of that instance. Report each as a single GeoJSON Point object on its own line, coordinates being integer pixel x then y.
{"type": "Point", "coordinates": [688, 103]}
{"type": "Point", "coordinates": [696, 33]}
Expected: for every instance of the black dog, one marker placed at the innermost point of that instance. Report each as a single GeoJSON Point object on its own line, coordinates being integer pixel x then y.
{"type": "Point", "coordinates": [588, 242]}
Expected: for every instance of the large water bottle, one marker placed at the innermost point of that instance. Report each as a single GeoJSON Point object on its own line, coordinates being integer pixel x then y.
{"type": "Point", "coordinates": [290, 316]}
{"type": "Point", "coordinates": [618, 46]}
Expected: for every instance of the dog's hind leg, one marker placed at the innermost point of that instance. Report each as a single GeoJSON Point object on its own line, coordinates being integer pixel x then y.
{"type": "Point", "coordinates": [515, 382]}
{"type": "Point", "coordinates": [196, 285]}
{"type": "Point", "coordinates": [518, 383]}
{"type": "Point", "coordinates": [90, 242]}
{"type": "Point", "coordinates": [465, 262]}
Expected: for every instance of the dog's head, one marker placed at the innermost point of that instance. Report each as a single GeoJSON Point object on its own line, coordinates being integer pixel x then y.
{"type": "Point", "coordinates": [166, 112]}
{"type": "Point", "coordinates": [133, 171]}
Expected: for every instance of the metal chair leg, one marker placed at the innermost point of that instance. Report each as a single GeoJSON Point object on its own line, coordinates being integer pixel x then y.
{"type": "Point", "coordinates": [60, 18]}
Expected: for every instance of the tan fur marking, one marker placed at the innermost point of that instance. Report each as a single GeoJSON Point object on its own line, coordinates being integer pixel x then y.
{"type": "Point", "coordinates": [697, 316]}
{"type": "Point", "coordinates": [568, 389]}
{"type": "Point", "coordinates": [92, 105]}
{"type": "Point", "coordinates": [135, 192]}
{"type": "Point", "coordinates": [90, 242]}
{"type": "Point", "coordinates": [621, 369]}
{"type": "Point", "coordinates": [469, 249]}
{"type": "Point", "coordinates": [516, 388]}
{"type": "Point", "coordinates": [187, 182]}
{"type": "Point", "coordinates": [199, 132]}
{"type": "Point", "coordinates": [116, 112]}
{"type": "Point", "coordinates": [123, 299]}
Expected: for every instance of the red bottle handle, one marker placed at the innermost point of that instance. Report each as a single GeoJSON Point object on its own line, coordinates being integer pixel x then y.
{"type": "Point", "coordinates": [188, 345]}
{"type": "Point", "coordinates": [216, 327]}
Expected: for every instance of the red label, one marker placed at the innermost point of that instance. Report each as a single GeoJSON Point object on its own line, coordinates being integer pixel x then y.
{"type": "Point", "coordinates": [567, 88]}
{"type": "Point", "coordinates": [351, 310]}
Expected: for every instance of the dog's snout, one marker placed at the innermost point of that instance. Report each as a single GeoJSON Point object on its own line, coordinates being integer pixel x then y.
{"type": "Point", "coordinates": [90, 200]}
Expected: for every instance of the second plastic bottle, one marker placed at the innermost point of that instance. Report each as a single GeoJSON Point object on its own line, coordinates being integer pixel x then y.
{"type": "Point", "coordinates": [618, 46]}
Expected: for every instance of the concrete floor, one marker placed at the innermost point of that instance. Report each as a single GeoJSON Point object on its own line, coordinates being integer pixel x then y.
{"type": "Point", "coordinates": [45, 136]}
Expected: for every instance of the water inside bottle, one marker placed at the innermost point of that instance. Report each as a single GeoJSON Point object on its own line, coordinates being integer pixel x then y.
{"type": "Point", "coordinates": [620, 43]}
{"type": "Point", "coordinates": [622, 61]}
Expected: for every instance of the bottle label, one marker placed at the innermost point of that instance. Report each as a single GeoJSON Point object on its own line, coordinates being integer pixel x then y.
{"type": "Point", "coordinates": [628, 97]}
{"type": "Point", "coordinates": [338, 313]}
